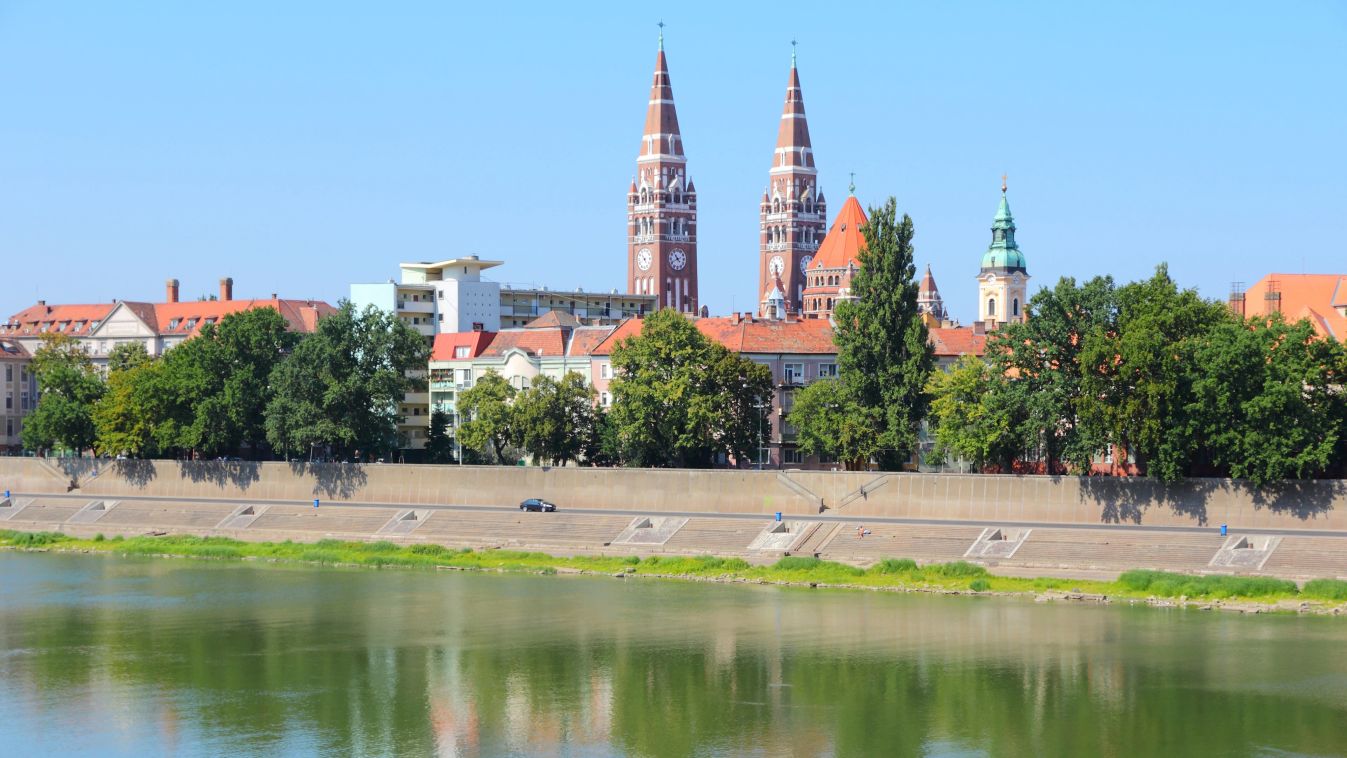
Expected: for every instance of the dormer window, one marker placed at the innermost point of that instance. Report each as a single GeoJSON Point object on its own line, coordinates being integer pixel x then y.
{"type": "Point", "coordinates": [210, 320]}
{"type": "Point", "coordinates": [191, 323]}
{"type": "Point", "coordinates": [173, 324]}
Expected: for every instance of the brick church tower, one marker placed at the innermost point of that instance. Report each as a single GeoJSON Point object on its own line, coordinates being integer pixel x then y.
{"type": "Point", "coordinates": [793, 213]}
{"type": "Point", "coordinates": [662, 206]}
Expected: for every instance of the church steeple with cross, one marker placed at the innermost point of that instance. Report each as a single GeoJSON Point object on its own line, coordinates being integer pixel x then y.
{"type": "Point", "coordinates": [662, 205]}
{"type": "Point", "coordinates": [793, 214]}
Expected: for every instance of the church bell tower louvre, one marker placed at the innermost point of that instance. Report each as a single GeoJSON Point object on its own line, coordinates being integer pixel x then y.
{"type": "Point", "coordinates": [793, 213]}
{"type": "Point", "coordinates": [662, 205]}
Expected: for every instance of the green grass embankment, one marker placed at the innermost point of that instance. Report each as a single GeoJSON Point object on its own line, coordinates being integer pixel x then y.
{"type": "Point", "coordinates": [891, 573]}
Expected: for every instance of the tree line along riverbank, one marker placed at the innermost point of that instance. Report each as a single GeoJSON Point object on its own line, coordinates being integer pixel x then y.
{"type": "Point", "coordinates": [901, 574]}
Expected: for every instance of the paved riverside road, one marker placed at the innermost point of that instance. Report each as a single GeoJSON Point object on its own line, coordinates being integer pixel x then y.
{"type": "Point", "coordinates": [1233, 529]}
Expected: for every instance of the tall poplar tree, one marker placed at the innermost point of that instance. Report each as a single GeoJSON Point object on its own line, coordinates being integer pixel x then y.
{"type": "Point", "coordinates": [884, 357]}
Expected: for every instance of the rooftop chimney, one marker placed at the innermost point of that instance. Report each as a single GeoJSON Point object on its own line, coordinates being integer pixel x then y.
{"type": "Point", "coordinates": [171, 290]}
{"type": "Point", "coordinates": [226, 289]}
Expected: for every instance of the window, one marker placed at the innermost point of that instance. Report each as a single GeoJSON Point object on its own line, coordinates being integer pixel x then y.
{"type": "Point", "coordinates": [605, 399]}
{"type": "Point", "coordinates": [991, 306]}
{"type": "Point", "coordinates": [173, 323]}
{"type": "Point", "coordinates": [794, 373]}
{"type": "Point", "coordinates": [827, 370]}
{"type": "Point", "coordinates": [461, 351]}
{"type": "Point", "coordinates": [440, 294]}
{"type": "Point", "coordinates": [9, 373]}
{"type": "Point", "coordinates": [605, 371]}
{"type": "Point", "coordinates": [191, 322]}
{"type": "Point", "coordinates": [791, 456]}
{"type": "Point", "coordinates": [9, 401]}
{"type": "Point", "coordinates": [439, 317]}
{"type": "Point", "coordinates": [9, 427]}
{"type": "Point", "coordinates": [24, 401]}
{"type": "Point", "coordinates": [1015, 307]}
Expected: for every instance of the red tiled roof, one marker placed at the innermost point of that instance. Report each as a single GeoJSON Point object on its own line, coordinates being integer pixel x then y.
{"type": "Point", "coordinates": [445, 344]}
{"type": "Point", "coordinates": [956, 341]}
{"type": "Point", "coordinates": [1314, 296]}
{"type": "Point", "coordinates": [807, 336]}
{"type": "Point", "coordinates": [553, 318]}
{"type": "Point", "coordinates": [759, 336]}
{"type": "Point", "coordinates": [77, 320]}
{"type": "Point", "coordinates": [182, 318]}
{"type": "Point", "coordinates": [586, 338]}
{"type": "Point", "coordinates": [844, 242]}
{"type": "Point", "coordinates": [542, 342]}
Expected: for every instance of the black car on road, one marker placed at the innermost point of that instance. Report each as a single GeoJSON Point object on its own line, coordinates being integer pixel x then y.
{"type": "Point", "coordinates": [537, 504]}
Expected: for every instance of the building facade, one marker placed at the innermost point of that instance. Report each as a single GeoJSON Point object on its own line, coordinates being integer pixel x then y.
{"type": "Point", "coordinates": [19, 387]}
{"type": "Point", "coordinates": [793, 215]}
{"type": "Point", "coordinates": [451, 297]}
{"type": "Point", "coordinates": [101, 327]}
{"type": "Point", "coordinates": [662, 206]}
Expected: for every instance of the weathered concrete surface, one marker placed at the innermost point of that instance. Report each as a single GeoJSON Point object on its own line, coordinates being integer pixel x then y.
{"type": "Point", "coordinates": [1316, 505]}
{"type": "Point", "coordinates": [1082, 552]}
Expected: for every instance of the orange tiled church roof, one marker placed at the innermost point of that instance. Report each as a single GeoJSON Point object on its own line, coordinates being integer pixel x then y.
{"type": "Point", "coordinates": [844, 242]}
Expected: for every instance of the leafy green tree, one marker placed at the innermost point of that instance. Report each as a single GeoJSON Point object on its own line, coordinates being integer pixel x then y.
{"type": "Point", "coordinates": [439, 447]}
{"type": "Point", "coordinates": [829, 421]}
{"type": "Point", "coordinates": [884, 358]}
{"type": "Point", "coordinates": [1267, 399]}
{"type": "Point", "coordinates": [977, 414]}
{"type": "Point", "coordinates": [554, 418]}
{"type": "Point", "coordinates": [601, 446]}
{"type": "Point", "coordinates": [341, 386]}
{"type": "Point", "coordinates": [127, 355]}
{"type": "Point", "coordinates": [1137, 374]}
{"type": "Point", "coordinates": [127, 416]}
{"type": "Point", "coordinates": [487, 417]}
{"type": "Point", "coordinates": [69, 387]}
{"type": "Point", "coordinates": [1039, 375]}
{"type": "Point", "coordinates": [680, 399]}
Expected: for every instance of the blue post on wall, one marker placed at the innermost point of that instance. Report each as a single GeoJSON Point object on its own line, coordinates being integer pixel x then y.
{"type": "Point", "coordinates": [778, 515]}
{"type": "Point", "coordinates": [315, 502]}
{"type": "Point", "coordinates": [1223, 530]}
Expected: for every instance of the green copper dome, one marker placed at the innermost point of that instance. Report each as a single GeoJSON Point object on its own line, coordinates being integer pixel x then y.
{"type": "Point", "coordinates": [1003, 255]}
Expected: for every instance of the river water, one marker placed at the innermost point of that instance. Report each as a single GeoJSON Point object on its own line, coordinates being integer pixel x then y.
{"type": "Point", "coordinates": [130, 656]}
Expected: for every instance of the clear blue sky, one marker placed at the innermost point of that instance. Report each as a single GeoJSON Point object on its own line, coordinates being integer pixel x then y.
{"type": "Point", "coordinates": [301, 146]}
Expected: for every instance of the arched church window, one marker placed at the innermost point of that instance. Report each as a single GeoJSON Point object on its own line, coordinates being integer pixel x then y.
{"type": "Point", "coordinates": [1015, 306]}
{"type": "Point", "coordinates": [991, 306]}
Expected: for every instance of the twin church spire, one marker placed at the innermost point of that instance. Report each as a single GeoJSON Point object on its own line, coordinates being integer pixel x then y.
{"type": "Point", "coordinates": [662, 223]}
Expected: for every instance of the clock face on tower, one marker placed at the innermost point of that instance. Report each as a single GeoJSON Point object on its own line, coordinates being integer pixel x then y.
{"type": "Point", "coordinates": [776, 265]}
{"type": "Point", "coordinates": [804, 263]}
{"type": "Point", "coordinates": [643, 259]}
{"type": "Point", "coordinates": [678, 259]}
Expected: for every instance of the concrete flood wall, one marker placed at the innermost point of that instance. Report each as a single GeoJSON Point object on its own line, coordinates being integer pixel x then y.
{"type": "Point", "coordinates": [1315, 505]}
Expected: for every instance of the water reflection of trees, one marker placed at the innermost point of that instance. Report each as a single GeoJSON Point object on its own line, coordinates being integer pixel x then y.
{"type": "Point", "coordinates": [418, 664]}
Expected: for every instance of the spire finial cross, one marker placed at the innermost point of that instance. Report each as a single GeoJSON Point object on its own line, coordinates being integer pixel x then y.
{"type": "Point", "coordinates": [792, 52]}
{"type": "Point", "coordinates": [661, 33]}
{"type": "Point", "coordinates": [852, 188]}
{"type": "Point", "coordinates": [1003, 184]}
